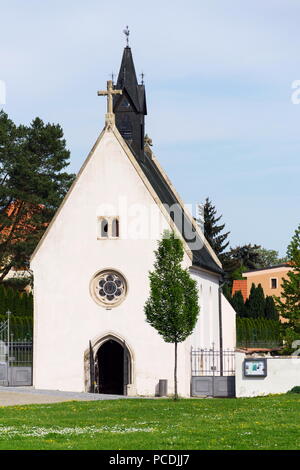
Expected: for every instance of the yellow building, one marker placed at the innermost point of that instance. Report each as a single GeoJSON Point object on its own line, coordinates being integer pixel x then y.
{"type": "Point", "coordinates": [270, 278]}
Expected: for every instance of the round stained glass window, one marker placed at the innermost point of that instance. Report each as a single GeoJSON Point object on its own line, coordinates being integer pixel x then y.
{"type": "Point", "coordinates": [108, 288]}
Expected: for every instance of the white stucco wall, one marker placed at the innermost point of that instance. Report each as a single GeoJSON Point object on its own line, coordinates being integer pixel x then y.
{"type": "Point", "coordinates": [207, 330]}
{"type": "Point", "coordinates": [228, 324]}
{"type": "Point", "coordinates": [66, 317]}
{"type": "Point", "coordinates": [283, 373]}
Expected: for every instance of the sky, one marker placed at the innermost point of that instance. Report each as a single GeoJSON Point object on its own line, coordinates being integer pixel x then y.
{"type": "Point", "coordinates": [222, 113]}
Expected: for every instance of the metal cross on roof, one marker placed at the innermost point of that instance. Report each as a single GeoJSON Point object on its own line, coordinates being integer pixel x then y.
{"type": "Point", "coordinates": [109, 93]}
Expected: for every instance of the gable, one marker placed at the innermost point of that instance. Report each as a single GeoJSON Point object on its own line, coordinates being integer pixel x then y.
{"type": "Point", "coordinates": [159, 188]}
{"type": "Point", "coordinates": [110, 171]}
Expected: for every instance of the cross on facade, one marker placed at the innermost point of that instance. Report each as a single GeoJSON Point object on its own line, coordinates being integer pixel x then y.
{"type": "Point", "coordinates": [109, 93]}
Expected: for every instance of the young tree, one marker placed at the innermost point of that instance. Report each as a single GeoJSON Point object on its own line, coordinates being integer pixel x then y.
{"type": "Point", "coordinates": [288, 305]}
{"type": "Point", "coordinates": [172, 308]}
{"type": "Point", "coordinates": [212, 231]}
{"type": "Point", "coordinates": [32, 186]}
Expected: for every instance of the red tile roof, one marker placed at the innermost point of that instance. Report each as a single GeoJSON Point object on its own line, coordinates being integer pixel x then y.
{"type": "Point", "coordinates": [240, 284]}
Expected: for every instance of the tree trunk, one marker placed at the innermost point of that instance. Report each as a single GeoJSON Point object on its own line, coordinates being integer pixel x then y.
{"type": "Point", "coordinates": [175, 374]}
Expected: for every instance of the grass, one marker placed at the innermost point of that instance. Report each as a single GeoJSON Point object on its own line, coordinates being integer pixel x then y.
{"type": "Point", "coordinates": [271, 422]}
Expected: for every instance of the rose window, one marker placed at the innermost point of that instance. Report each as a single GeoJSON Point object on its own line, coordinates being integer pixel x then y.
{"type": "Point", "coordinates": [109, 288]}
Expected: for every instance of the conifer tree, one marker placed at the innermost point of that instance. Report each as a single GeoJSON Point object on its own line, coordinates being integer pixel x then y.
{"type": "Point", "coordinates": [32, 185]}
{"type": "Point", "coordinates": [242, 258]}
{"type": "Point", "coordinates": [172, 307]}
{"type": "Point", "coordinates": [270, 309]}
{"type": "Point", "coordinates": [227, 291]}
{"type": "Point", "coordinates": [256, 302]}
{"type": "Point", "coordinates": [288, 305]}
{"type": "Point", "coordinates": [238, 304]}
{"type": "Point", "coordinates": [212, 230]}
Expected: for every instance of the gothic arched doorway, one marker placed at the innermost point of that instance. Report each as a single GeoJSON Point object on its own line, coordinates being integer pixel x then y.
{"type": "Point", "coordinates": [113, 368]}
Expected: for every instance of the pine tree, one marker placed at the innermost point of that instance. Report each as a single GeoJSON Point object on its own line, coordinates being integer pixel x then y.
{"type": "Point", "coordinates": [32, 186]}
{"type": "Point", "coordinates": [242, 258]}
{"type": "Point", "coordinates": [288, 305]}
{"type": "Point", "coordinates": [212, 231]}
{"type": "Point", "coordinates": [172, 308]}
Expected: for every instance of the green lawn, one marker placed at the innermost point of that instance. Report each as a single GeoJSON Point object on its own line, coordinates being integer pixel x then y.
{"type": "Point", "coordinates": [246, 423]}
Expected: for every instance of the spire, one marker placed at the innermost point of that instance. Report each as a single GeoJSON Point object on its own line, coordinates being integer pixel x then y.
{"type": "Point", "coordinates": [130, 108]}
{"type": "Point", "coordinates": [127, 77]}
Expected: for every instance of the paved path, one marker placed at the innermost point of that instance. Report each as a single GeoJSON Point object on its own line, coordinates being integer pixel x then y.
{"type": "Point", "coordinates": [10, 396]}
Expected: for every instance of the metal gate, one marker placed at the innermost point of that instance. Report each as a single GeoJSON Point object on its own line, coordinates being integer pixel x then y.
{"type": "Point", "coordinates": [213, 372]}
{"type": "Point", "coordinates": [15, 358]}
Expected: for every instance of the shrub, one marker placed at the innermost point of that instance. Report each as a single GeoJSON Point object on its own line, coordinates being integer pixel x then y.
{"type": "Point", "coordinates": [295, 389]}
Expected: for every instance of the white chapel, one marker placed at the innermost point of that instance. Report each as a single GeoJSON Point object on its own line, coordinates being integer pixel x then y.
{"type": "Point", "coordinates": [91, 266]}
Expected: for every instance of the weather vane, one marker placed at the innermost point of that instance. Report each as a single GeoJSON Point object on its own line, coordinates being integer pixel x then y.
{"type": "Point", "coordinates": [126, 32]}
{"type": "Point", "coordinates": [142, 77]}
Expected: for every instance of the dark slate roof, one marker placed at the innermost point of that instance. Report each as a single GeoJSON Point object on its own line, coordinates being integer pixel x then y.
{"type": "Point", "coordinates": [201, 257]}
{"type": "Point", "coordinates": [127, 81]}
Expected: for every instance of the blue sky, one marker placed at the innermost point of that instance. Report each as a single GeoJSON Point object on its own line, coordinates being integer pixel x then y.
{"type": "Point", "coordinates": [218, 78]}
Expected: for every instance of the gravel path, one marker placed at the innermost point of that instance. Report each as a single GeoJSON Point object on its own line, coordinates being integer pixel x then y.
{"type": "Point", "coordinates": [10, 396]}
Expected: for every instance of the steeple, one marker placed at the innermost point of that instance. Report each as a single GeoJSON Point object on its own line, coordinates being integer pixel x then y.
{"type": "Point", "coordinates": [130, 107]}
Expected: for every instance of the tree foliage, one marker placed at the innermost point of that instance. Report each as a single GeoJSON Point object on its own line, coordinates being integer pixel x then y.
{"type": "Point", "coordinates": [237, 302]}
{"type": "Point", "coordinates": [269, 258]}
{"type": "Point", "coordinates": [256, 302]}
{"type": "Point", "coordinates": [32, 185]}
{"type": "Point", "coordinates": [256, 306]}
{"type": "Point", "coordinates": [288, 304]}
{"type": "Point", "coordinates": [258, 332]}
{"type": "Point", "coordinates": [242, 258]}
{"type": "Point", "coordinates": [270, 309]}
{"type": "Point", "coordinates": [20, 304]}
{"type": "Point", "coordinates": [172, 307]}
{"type": "Point", "coordinates": [212, 230]}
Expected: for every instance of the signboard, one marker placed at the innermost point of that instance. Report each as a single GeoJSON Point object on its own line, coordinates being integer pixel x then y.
{"type": "Point", "coordinates": [255, 367]}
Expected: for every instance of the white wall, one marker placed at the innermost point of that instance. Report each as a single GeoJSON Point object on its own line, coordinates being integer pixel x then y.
{"type": "Point", "coordinates": [228, 324]}
{"type": "Point", "coordinates": [65, 315]}
{"type": "Point", "coordinates": [207, 330]}
{"type": "Point", "coordinates": [283, 373]}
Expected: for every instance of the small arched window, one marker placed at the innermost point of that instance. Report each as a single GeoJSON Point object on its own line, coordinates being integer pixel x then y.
{"type": "Point", "coordinates": [104, 228]}
{"type": "Point", "coordinates": [108, 227]}
{"type": "Point", "coordinates": [115, 228]}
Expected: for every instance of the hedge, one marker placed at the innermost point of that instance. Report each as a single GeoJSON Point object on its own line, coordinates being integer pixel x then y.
{"type": "Point", "coordinates": [261, 332]}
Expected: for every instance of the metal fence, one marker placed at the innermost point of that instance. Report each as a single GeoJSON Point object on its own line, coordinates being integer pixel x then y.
{"type": "Point", "coordinates": [15, 358]}
{"type": "Point", "coordinates": [213, 372]}
{"type": "Point", "coordinates": [208, 362]}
